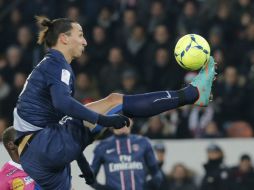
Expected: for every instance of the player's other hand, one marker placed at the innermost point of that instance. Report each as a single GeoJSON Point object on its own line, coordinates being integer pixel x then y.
{"type": "Point", "coordinates": [89, 177]}
{"type": "Point", "coordinates": [116, 121]}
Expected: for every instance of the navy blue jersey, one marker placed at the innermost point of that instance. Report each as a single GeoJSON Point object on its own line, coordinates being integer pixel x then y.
{"type": "Point", "coordinates": [34, 103]}
{"type": "Point", "coordinates": [125, 160]}
{"type": "Point", "coordinates": [47, 96]}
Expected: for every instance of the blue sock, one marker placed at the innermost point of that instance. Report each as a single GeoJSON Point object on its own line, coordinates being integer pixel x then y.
{"type": "Point", "coordinates": [150, 104]}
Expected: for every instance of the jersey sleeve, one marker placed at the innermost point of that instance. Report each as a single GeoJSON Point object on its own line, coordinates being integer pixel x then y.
{"type": "Point", "coordinates": [55, 74]}
{"type": "Point", "coordinates": [97, 159]}
{"type": "Point", "coordinates": [152, 165]}
{"type": "Point", "coordinates": [149, 155]}
{"type": "Point", "coordinates": [58, 80]}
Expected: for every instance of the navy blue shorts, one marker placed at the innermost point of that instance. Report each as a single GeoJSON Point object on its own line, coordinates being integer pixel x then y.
{"type": "Point", "coordinates": [47, 158]}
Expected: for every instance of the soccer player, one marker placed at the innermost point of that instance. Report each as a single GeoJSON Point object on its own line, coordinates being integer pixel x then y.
{"type": "Point", "coordinates": [126, 158]}
{"type": "Point", "coordinates": [47, 147]}
{"type": "Point", "coordinates": [12, 175]}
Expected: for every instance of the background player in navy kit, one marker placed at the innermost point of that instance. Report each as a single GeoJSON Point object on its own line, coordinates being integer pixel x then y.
{"type": "Point", "coordinates": [47, 97]}
{"type": "Point", "coordinates": [127, 160]}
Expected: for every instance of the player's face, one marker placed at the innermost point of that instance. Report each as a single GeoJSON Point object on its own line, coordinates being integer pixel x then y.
{"type": "Point", "coordinates": [12, 149]}
{"type": "Point", "coordinates": [122, 131]}
{"type": "Point", "coordinates": [11, 146]}
{"type": "Point", "coordinates": [77, 41]}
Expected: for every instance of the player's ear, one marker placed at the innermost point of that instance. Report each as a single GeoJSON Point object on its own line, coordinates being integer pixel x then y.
{"type": "Point", "coordinates": [63, 38]}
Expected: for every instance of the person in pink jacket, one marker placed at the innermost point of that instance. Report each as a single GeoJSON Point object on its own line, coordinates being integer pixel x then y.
{"type": "Point", "coordinates": [12, 176]}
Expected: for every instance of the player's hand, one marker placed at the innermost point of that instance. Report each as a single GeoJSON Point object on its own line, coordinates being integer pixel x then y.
{"type": "Point", "coordinates": [86, 170]}
{"type": "Point", "coordinates": [116, 120]}
{"type": "Point", "coordinates": [98, 186]}
{"type": "Point", "coordinates": [89, 177]}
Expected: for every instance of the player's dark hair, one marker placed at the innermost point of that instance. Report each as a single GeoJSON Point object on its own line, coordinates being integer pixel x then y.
{"type": "Point", "coordinates": [9, 135]}
{"type": "Point", "coordinates": [50, 29]}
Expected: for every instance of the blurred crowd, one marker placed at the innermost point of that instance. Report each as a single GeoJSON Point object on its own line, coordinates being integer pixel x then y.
{"type": "Point", "coordinates": [130, 50]}
{"type": "Point", "coordinates": [217, 175]}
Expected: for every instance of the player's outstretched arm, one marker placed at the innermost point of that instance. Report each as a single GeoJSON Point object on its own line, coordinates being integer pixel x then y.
{"type": "Point", "coordinates": [153, 167]}
{"type": "Point", "coordinates": [63, 102]}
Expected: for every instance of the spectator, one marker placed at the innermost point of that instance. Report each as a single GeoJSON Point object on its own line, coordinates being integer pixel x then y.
{"type": "Point", "coordinates": [247, 68]}
{"type": "Point", "coordinates": [208, 9]}
{"type": "Point", "coordinates": [125, 27]}
{"type": "Point", "coordinates": [163, 73]}
{"type": "Point", "coordinates": [182, 130]}
{"type": "Point", "coordinates": [18, 84]}
{"type": "Point", "coordinates": [241, 7]}
{"type": "Point", "coordinates": [242, 176]}
{"type": "Point", "coordinates": [116, 65]}
{"type": "Point", "coordinates": [86, 89]}
{"type": "Point", "coordinates": [160, 153]}
{"type": "Point", "coordinates": [230, 87]}
{"type": "Point", "coordinates": [239, 129]}
{"type": "Point", "coordinates": [14, 59]}
{"type": "Point", "coordinates": [105, 19]}
{"type": "Point", "coordinates": [130, 84]}
{"type": "Point", "coordinates": [220, 58]}
{"type": "Point", "coordinates": [14, 22]}
{"type": "Point", "coordinates": [157, 16]}
{"type": "Point", "coordinates": [188, 20]}
{"type": "Point", "coordinates": [181, 178]}
{"type": "Point", "coordinates": [155, 128]}
{"type": "Point", "coordinates": [216, 173]}
{"type": "Point", "coordinates": [99, 48]}
{"type": "Point", "coordinates": [84, 64]}
{"type": "Point", "coordinates": [38, 7]}
{"type": "Point", "coordinates": [161, 39]}
{"type": "Point", "coordinates": [244, 44]}
{"type": "Point", "coordinates": [25, 41]}
{"type": "Point", "coordinates": [136, 48]}
{"type": "Point", "coordinates": [73, 13]}
{"type": "Point", "coordinates": [199, 118]}
{"type": "Point", "coordinates": [215, 38]}
{"type": "Point", "coordinates": [212, 131]}
{"type": "Point", "coordinates": [224, 20]}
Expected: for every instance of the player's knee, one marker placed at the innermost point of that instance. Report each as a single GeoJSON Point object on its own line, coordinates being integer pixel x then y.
{"type": "Point", "coordinates": [115, 98]}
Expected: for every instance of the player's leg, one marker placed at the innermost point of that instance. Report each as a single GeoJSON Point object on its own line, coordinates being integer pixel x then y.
{"type": "Point", "coordinates": [44, 159]}
{"type": "Point", "coordinates": [104, 105]}
{"type": "Point", "coordinates": [149, 104]}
